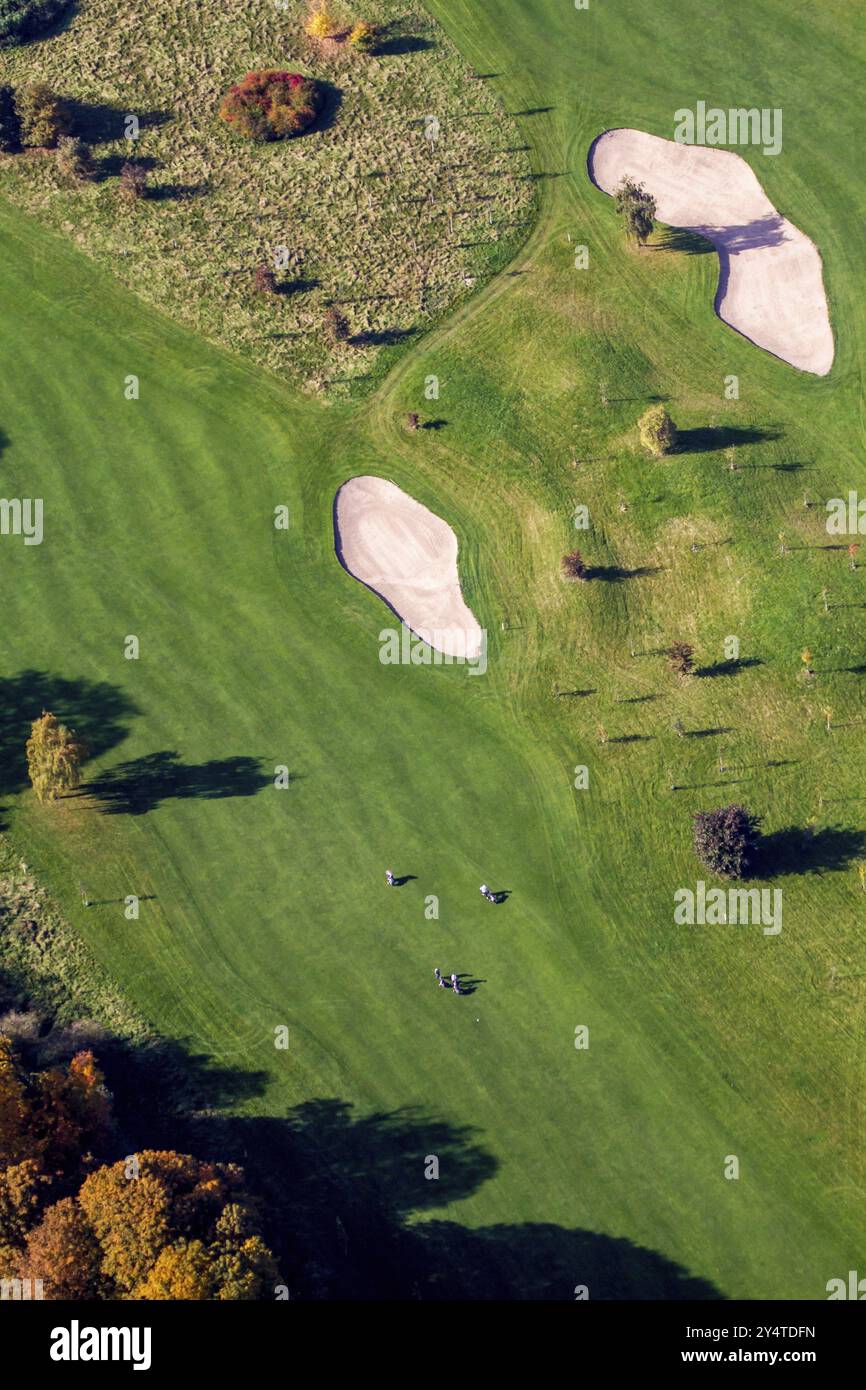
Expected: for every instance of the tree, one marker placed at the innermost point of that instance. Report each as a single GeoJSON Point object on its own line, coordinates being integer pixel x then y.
{"type": "Point", "coordinates": [573, 566]}
{"type": "Point", "coordinates": [271, 104]}
{"type": "Point", "coordinates": [20, 20]}
{"type": "Point", "coordinates": [336, 325]}
{"type": "Point", "coordinates": [681, 658]}
{"type": "Point", "coordinates": [265, 280]}
{"type": "Point", "coordinates": [10, 122]}
{"type": "Point", "coordinates": [181, 1271]}
{"type": "Point", "coordinates": [54, 757]}
{"type": "Point", "coordinates": [320, 24]}
{"type": "Point", "coordinates": [22, 1189]}
{"type": "Point", "coordinates": [74, 160]}
{"type": "Point", "coordinates": [44, 115]}
{"type": "Point", "coordinates": [63, 1252]}
{"type": "Point", "coordinates": [133, 182]}
{"type": "Point", "coordinates": [638, 209]}
{"type": "Point", "coordinates": [658, 433]}
{"type": "Point", "coordinates": [363, 36]}
{"type": "Point", "coordinates": [727, 840]}
{"type": "Point", "coordinates": [243, 1266]}
{"type": "Point", "coordinates": [16, 1111]}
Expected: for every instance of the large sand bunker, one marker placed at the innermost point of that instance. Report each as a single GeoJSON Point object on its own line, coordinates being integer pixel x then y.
{"type": "Point", "coordinates": [408, 556]}
{"type": "Point", "coordinates": [771, 287]}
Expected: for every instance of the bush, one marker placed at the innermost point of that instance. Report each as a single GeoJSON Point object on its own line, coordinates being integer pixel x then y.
{"type": "Point", "coordinates": [363, 36]}
{"type": "Point", "coordinates": [726, 841]}
{"type": "Point", "coordinates": [271, 105]}
{"type": "Point", "coordinates": [20, 20]}
{"type": "Point", "coordinates": [336, 325]}
{"type": "Point", "coordinates": [133, 182]}
{"type": "Point", "coordinates": [44, 115]}
{"type": "Point", "coordinates": [681, 658]}
{"type": "Point", "coordinates": [74, 160]}
{"type": "Point", "coordinates": [266, 280]}
{"type": "Point", "coordinates": [574, 566]}
{"type": "Point", "coordinates": [658, 433]}
{"type": "Point", "coordinates": [320, 24]}
{"type": "Point", "coordinates": [10, 122]}
{"type": "Point", "coordinates": [638, 208]}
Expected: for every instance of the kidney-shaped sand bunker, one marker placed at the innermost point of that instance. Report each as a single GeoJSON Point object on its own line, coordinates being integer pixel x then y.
{"type": "Point", "coordinates": [408, 557]}
{"type": "Point", "coordinates": [771, 286]}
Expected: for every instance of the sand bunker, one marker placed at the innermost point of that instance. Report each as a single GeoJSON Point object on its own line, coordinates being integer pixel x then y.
{"type": "Point", "coordinates": [408, 556]}
{"type": "Point", "coordinates": [771, 287]}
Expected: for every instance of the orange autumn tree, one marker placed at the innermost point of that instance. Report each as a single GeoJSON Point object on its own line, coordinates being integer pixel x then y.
{"type": "Point", "coordinates": [155, 1225]}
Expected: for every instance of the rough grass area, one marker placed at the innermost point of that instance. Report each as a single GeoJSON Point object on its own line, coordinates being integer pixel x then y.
{"type": "Point", "coordinates": [48, 977]}
{"type": "Point", "coordinates": [373, 218]}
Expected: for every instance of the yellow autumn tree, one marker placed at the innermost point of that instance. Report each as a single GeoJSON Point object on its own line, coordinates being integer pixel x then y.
{"type": "Point", "coordinates": [54, 757]}
{"type": "Point", "coordinates": [321, 23]}
{"type": "Point", "coordinates": [182, 1271]}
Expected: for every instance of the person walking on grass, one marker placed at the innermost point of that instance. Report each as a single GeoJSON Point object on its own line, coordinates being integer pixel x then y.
{"type": "Point", "coordinates": [389, 878]}
{"type": "Point", "coordinates": [455, 984]}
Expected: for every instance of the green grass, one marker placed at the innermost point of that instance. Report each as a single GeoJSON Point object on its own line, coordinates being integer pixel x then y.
{"type": "Point", "coordinates": [268, 908]}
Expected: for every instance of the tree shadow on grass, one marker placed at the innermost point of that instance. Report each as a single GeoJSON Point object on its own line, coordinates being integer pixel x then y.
{"type": "Point", "coordinates": [110, 166]}
{"type": "Point", "coordinates": [98, 123]}
{"type": "Point", "coordinates": [799, 850]}
{"type": "Point", "coordinates": [681, 239]}
{"type": "Point", "coordinates": [136, 787]}
{"type": "Point", "coordinates": [710, 438]}
{"type": "Point", "coordinates": [341, 1189]}
{"type": "Point", "coordinates": [728, 668]}
{"type": "Point", "coordinates": [392, 46]}
{"type": "Point", "coordinates": [616, 574]}
{"type": "Point", "coordinates": [332, 100]}
{"type": "Point", "coordinates": [385, 337]}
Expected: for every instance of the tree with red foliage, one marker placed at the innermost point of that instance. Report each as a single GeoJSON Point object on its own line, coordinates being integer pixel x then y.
{"type": "Point", "coordinates": [270, 105]}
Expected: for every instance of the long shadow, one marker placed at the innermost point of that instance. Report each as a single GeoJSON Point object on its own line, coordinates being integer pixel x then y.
{"type": "Point", "coordinates": [728, 668]}
{"type": "Point", "coordinates": [385, 337]}
{"type": "Point", "coordinates": [332, 100]}
{"type": "Point", "coordinates": [177, 192]}
{"type": "Point", "coordinates": [65, 16]}
{"type": "Point", "coordinates": [616, 574]}
{"type": "Point", "coordinates": [138, 786]}
{"type": "Point", "coordinates": [340, 1188]}
{"type": "Point", "coordinates": [708, 439]}
{"type": "Point", "coordinates": [110, 165]}
{"type": "Point", "coordinates": [98, 123]}
{"type": "Point", "coordinates": [796, 850]}
{"type": "Point", "coordinates": [392, 47]}
{"type": "Point", "coordinates": [682, 239]}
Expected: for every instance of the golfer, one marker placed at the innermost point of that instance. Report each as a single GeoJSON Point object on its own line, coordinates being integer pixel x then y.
{"type": "Point", "coordinates": [389, 878]}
